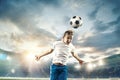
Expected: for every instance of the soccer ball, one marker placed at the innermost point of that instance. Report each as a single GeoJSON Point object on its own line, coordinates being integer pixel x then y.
{"type": "Point", "coordinates": [76, 22]}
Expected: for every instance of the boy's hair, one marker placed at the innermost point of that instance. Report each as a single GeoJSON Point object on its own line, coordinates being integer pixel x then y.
{"type": "Point", "coordinates": [69, 32]}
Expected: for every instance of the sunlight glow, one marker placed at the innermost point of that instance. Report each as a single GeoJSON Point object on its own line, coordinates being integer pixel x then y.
{"type": "Point", "coordinates": [86, 49]}
{"type": "Point", "coordinates": [30, 57]}
{"type": "Point", "coordinates": [13, 71]}
{"type": "Point", "coordinates": [89, 66]}
{"type": "Point", "coordinates": [30, 46]}
{"type": "Point", "coordinates": [8, 58]}
{"type": "Point", "coordinates": [100, 62]}
{"type": "Point", "coordinates": [77, 67]}
{"type": "Point", "coordinates": [94, 65]}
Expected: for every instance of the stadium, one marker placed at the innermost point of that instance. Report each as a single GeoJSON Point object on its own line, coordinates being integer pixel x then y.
{"type": "Point", "coordinates": [96, 70]}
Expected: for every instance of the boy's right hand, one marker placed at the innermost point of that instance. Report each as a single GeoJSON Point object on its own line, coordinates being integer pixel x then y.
{"type": "Point", "coordinates": [37, 57]}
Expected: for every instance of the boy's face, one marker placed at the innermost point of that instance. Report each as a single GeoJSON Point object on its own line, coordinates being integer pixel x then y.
{"type": "Point", "coordinates": [68, 38]}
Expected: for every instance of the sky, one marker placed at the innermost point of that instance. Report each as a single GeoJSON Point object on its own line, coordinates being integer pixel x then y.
{"type": "Point", "coordinates": [31, 26]}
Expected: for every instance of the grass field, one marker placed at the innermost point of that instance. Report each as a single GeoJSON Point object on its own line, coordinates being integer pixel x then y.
{"type": "Point", "coordinates": [20, 78]}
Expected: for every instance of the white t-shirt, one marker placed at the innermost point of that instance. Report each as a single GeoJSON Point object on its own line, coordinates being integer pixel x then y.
{"type": "Point", "coordinates": [62, 52]}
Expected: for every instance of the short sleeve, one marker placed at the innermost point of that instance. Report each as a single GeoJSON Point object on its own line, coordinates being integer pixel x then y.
{"type": "Point", "coordinates": [53, 45]}
{"type": "Point", "coordinates": [72, 48]}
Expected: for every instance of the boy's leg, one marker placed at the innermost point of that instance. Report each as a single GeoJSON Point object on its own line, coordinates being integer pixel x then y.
{"type": "Point", "coordinates": [63, 73]}
{"type": "Point", "coordinates": [53, 72]}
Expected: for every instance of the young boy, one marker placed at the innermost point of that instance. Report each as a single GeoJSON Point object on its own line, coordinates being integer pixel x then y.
{"type": "Point", "coordinates": [61, 49]}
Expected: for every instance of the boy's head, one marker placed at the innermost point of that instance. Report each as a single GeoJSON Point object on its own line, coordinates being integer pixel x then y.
{"type": "Point", "coordinates": [67, 37]}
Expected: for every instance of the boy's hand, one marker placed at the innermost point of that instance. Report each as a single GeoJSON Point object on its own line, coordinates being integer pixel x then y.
{"type": "Point", "coordinates": [37, 57]}
{"type": "Point", "coordinates": [81, 62]}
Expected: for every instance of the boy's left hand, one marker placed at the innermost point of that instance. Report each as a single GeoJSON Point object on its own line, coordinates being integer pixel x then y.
{"type": "Point", "coordinates": [81, 62]}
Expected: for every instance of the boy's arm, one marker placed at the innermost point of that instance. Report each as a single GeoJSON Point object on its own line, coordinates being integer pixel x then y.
{"type": "Point", "coordinates": [44, 54]}
{"type": "Point", "coordinates": [77, 57]}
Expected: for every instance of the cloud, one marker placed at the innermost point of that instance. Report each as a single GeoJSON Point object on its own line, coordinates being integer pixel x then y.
{"type": "Point", "coordinates": [105, 35]}
{"type": "Point", "coordinates": [105, 31]}
{"type": "Point", "coordinates": [95, 10]}
{"type": "Point", "coordinates": [115, 3]}
{"type": "Point", "coordinates": [21, 7]}
{"type": "Point", "coordinates": [54, 3]}
{"type": "Point", "coordinates": [23, 13]}
{"type": "Point", "coordinates": [103, 41]}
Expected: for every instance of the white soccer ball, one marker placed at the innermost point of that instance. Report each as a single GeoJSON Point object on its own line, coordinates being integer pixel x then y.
{"type": "Point", "coordinates": [76, 22]}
